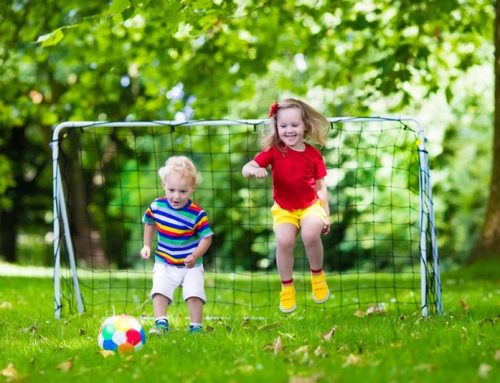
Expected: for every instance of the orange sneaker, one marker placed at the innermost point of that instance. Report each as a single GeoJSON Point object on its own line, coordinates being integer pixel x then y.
{"type": "Point", "coordinates": [287, 299]}
{"type": "Point", "coordinates": [319, 287]}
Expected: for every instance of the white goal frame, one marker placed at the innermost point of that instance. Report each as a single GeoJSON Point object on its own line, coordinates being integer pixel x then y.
{"type": "Point", "coordinates": [427, 220]}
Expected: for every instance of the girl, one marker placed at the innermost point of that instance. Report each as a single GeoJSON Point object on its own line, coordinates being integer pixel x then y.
{"type": "Point", "coordinates": [299, 191]}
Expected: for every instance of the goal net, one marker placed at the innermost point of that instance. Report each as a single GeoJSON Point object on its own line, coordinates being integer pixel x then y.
{"type": "Point", "coordinates": [381, 252]}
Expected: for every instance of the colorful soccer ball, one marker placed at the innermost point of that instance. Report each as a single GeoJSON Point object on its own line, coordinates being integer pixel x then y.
{"type": "Point", "coordinates": [121, 333]}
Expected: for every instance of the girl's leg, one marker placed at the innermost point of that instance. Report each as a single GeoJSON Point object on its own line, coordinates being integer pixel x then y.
{"type": "Point", "coordinates": [285, 243]}
{"type": "Point", "coordinates": [311, 229]}
{"type": "Point", "coordinates": [285, 240]}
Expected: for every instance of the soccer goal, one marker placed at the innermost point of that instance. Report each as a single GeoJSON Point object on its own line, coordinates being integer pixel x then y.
{"type": "Point", "coordinates": [381, 253]}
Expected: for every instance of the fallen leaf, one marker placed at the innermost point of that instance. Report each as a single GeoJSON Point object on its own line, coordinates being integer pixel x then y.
{"type": "Point", "coordinates": [304, 379]}
{"type": "Point", "coordinates": [268, 326]}
{"type": "Point", "coordinates": [10, 372]}
{"type": "Point", "coordinates": [465, 305]}
{"type": "Point", "coordinates": [66, 366]}
{"type": "Point", "coordinates": [352, 360]}
{"type": "Point", "coordinates": [358, 313]}
{"type": "Point", "coordinates": [301, 350]}
{"type": "Point", "coordinates": [277, 345]}
{"type": "Point", "coordinates": [328, 336]}
{"type": "Point", "coordinates": [106, 353]}
{"type": "Point", "coordinates": [375, 309]}
{"type": "Point", "coordinates": [246, 369]}
{"type": "Point", "coordinates": [6, 305]}
{"type": "Point", "coordinates": [484, 370]}
{"type": "Point", "coordinates": [427, 367]}
{"type": "Point", "coordinates": [320, 352]}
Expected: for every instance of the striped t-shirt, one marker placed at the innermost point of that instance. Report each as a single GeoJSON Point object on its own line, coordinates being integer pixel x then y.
{"type": "Point", "coordinates": [179, 230]}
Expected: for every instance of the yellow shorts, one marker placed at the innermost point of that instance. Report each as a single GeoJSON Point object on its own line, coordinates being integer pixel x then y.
{"type": "Point", "coordinates": [296, 216]}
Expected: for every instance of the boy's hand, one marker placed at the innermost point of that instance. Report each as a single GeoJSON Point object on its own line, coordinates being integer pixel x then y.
{"type": "Point", "coordinates": [145, 252]}
{"type": "Point", "coordinates": [190, 261]}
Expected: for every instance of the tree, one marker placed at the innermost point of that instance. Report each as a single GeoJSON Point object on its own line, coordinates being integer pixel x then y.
{"type": "Point", "coordinates": [488, 244]}
{"type": "Point", "coordinates": [119, 60]}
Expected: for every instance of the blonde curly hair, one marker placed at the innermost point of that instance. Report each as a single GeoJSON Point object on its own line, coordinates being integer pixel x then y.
{"type": "Point", "coordinates": [316, 125]}
{"type": "Point", "coordinates": [181, 166]}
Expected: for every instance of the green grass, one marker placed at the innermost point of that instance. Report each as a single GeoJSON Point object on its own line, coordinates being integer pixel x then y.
{"type": "Point", "coordinates": [463, 345]}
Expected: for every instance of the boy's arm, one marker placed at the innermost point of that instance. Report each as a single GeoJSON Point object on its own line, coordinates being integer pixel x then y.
{"type": "Point", "coordinates": [201, 249]}
{"type": "Point", "coordinates": [149, 230]}
{"type": "Point", "coordinates": [252, 169]}
{"type": "Point", "coordinates": [322, 193]}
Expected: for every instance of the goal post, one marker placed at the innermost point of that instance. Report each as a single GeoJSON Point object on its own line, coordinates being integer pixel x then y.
{"type": "Point", "coordinates": [381, 252]}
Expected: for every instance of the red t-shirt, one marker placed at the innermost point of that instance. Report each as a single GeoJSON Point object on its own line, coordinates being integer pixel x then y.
{"type": "Point", "coordinates": [294, 175]}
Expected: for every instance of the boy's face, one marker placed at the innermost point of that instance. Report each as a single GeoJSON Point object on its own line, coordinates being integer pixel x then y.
{"type": "Point", "coordinates": [178, 189]}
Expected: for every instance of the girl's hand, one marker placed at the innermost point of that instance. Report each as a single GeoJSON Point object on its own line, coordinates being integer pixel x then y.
{"type": "Point", "coordinates": [259, 172]}
{"type": "Point", "coordinates": [252, 169]}
{"type": "Point", "coordinates": [145, 252]}
{"type": "Point", "coordinates": [326, 228]}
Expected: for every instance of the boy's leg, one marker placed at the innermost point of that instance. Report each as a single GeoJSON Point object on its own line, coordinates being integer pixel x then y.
{"type": "Point", "coordinates": [285, 244]}
{"type": "Point", "coordinates": [160, 306]}
{"type": "Point", "coordinates": [195, 306]}
{"type": "Point", "coordinates": [165, 282]}
{"type": "Point", "coordinates": [193, 291]}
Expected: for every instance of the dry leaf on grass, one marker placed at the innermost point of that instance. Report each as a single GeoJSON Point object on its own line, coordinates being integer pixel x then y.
{"type": "Point", "coordinates": [277, 345]}
{"type": "Point", "coordinates": [358, 313]}
{"type": "Point", "coordinates": [484, 370]}
{"type": "Point", "coordinates": [301, 350]}
{"type": "Point", "coordinates": [427, 367]}
{"type": "Point", "coordinates": [328, 336]}
{"type": "Point", "coordinates": [497, 355]}
{"type": "Point", "coordinates": [6, 305]}
{"type": "Point", "coordinates": [304, 379]}
{"type": "Point", "coordinates": [10, 373]}
{"type": "Point", "coordinates": [375, 309]}
{"type": "Point", "coordinates": [465, 305]}
{"type": "Point", "coordinates": [66, 365]}
{"type": "Point", "coordinates": [106, 353]}
{"type": "Point", "coordinates": [352, 360]}
{"type": "Point", "coordinates": [320, 352]}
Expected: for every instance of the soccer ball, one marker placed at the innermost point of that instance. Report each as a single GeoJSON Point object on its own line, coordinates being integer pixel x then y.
{"type": "Point", "coordinates": [121, 333]}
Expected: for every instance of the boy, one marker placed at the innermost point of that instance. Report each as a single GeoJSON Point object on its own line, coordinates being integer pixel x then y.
{"type": "Point", "coordinates": [184, 235]}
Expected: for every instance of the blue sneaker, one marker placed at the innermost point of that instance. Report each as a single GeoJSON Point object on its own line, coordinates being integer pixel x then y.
{"type": "Point", "coordinates": [195, 328]}
{"type": "Point", "coordinates": [160, 327]}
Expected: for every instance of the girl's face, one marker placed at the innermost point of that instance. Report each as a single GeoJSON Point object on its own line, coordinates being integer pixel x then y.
{"type": "Point", "coordinates": [178, 189]}
{"type": "Point", "coordinates": [291, 128]}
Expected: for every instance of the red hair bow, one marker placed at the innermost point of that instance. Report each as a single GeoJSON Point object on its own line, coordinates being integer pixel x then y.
{"type": "Point", "coordinates": [273, 109]}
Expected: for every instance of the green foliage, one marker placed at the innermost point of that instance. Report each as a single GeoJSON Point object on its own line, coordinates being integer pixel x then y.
{"type": "Point", "coordinates": [120, 60]}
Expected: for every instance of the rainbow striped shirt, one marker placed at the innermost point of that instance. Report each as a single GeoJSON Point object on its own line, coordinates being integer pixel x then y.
{"type": "Point", "coordinates": [179, 230]}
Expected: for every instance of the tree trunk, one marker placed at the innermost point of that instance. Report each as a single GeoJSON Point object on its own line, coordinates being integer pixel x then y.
{"type": "Point", "coordinates": [86, 240]}
{"type": "Point", "coordinates": [9, 223]}
{"type": "Point", "coordinates": [488, 244]}
{"type": "Point", "coordinates": [8, 235]}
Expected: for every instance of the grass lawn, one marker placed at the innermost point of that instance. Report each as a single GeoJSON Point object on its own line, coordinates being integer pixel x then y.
{"type": "Point", "coordinates": [463, 345]}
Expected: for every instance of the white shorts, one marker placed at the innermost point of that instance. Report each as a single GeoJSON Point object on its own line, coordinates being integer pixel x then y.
{"type": "Point", "coordinates": [166, 278]}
